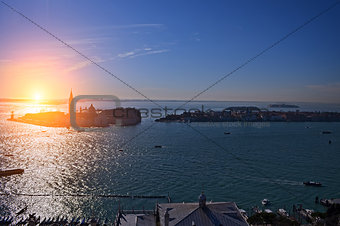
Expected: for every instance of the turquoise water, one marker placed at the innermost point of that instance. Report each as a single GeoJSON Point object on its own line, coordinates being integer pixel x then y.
{"type": "Point", "coordinates": [255, 161]}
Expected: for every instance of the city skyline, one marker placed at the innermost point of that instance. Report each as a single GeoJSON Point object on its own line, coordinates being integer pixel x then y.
{"type": "Point", "coordinates": [171, 50]}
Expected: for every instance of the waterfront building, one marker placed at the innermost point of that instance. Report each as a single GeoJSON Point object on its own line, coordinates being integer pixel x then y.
{"type": "Point", "coordinates": [122, 116]}
{"type": "Point", "coordinates": [183, 214]}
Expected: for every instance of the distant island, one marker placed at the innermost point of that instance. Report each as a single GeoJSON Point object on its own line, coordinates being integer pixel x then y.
{"type": "Point", "coordinates": [251, 114]}
{"type": "Point", "coordinates": [87, 117]}
{"type": "Point", "coordinates": [283, 106]}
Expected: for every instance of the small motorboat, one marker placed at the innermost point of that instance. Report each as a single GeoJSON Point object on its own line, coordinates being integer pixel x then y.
{"type": "Point", "coordinates": [227, 133]}
{"type": "Point", "coordinates": [265, 202]}
{"type": "Point", "coordinates": [312, 183]}
{"type": "Point", "coordinates": [158, 146]}
{"type": "Point", "coordinates": [326, 132]}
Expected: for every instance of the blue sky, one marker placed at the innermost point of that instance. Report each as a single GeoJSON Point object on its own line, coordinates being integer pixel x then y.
{"type": "Point", "coordinates": [171, 49]}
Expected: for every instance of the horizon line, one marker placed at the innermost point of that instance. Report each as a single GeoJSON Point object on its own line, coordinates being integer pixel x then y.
{"type": "Point", "coordinates": [161, 100]}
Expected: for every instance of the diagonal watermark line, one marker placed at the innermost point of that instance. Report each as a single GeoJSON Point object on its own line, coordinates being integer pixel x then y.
{"type": "Point", "coordinates": [244, 162]}
{"type": "Point", "coordinates": [81, 54]}
{"type": "Point", "coordinates": [197, 95]}
{"type": "Point", "coordinates": [240, 67]}
{"type": "Point", "coordinates": [262, 52]}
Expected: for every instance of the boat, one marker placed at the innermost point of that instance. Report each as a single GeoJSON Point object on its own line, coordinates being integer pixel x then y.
{"type": "Point", "coordinates": [227, 133]}
{"type": "Point", "coordinates": [5, 173]}
{"type": "Point", "coordinates": [329, 202]}
{"type": "Point", "coordinates": [265, 202]}
{"type": "Point", "coordinates": [306, 214]}
{"type": "Point", "coordinates": [312, 183]}
{"type": "Point", "coordinates": [268, 211]}
{"type": "Point", "coordinates": [326, 132]}
{"type": "Point", "coordinates": [282, 212]}
{"type": "Point", "coordinates": [158, 146]}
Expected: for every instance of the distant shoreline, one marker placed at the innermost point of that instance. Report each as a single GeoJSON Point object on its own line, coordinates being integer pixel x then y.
{"type": "Point", "coordinates": [251, 114]}
{"type": "Point", "coordinates": [65, 101]}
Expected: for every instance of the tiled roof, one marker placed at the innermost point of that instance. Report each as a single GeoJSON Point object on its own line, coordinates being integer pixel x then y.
{"type": "Point", "coordinates": [138, 220]}
{"type": "Point", "coordinates": [219, 213]}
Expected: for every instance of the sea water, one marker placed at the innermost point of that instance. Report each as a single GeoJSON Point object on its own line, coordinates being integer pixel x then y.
{"type": "Point", "coordinates": [253, 162]}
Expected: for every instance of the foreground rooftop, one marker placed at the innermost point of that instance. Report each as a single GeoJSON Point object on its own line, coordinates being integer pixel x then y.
{"type": "Point", "coordinates": [180, 214]}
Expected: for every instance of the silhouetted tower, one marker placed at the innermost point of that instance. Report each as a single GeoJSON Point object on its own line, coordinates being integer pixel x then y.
{"type": "Point", "coordinates": [12, 115]}
{"type": "Point", "coordinates": [69, 102]}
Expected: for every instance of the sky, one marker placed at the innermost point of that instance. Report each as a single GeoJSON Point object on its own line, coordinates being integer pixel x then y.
{"type": "Point", "coordinates": [171, 50]}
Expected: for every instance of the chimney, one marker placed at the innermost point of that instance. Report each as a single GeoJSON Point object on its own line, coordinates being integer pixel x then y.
{"type": "Point", "coordinates": [166, 218]}
{"type": "Point", "coordinates": [202, 200]}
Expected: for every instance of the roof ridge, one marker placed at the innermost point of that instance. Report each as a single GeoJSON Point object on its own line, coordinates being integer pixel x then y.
{"type": "Point", "coordinates": [188, 215]}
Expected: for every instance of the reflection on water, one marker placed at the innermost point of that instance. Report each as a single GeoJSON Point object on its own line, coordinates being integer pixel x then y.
{"type": "Point", "coordinates": [271, 163]}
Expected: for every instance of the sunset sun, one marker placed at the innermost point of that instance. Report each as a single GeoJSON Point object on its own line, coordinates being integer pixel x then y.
{"type": "Point", "coordinates": [37, 96]}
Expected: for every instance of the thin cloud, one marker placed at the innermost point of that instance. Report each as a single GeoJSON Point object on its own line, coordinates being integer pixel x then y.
{"type": "Point", "coordinates": [141, 52]}
{"type": "Point", "coordinates": [127, 54]}
{"type": "Point", "coordinates": [150, 53]}
{"type": "Point", "coordinates": [127, 26]}
{"type": "Point", "coordinates": [83, 64]}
